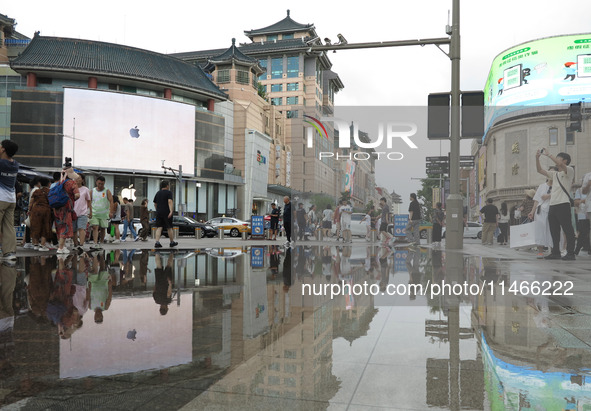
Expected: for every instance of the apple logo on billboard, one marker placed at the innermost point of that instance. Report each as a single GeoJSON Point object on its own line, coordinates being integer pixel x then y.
{"type": "Point", "coordinates": [129, 193]}
{"type": "Point", "coordinates": [134, 132]}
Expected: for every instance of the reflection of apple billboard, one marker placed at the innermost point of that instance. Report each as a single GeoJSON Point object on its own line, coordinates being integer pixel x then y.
{"type": "Point", "coordinates": [145, 130]}
{"type": "Point", "coordinates": [545, 72]}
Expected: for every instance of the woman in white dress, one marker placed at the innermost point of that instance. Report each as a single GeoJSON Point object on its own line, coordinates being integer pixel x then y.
{"type": "Point", "coordinates": [539, 214]}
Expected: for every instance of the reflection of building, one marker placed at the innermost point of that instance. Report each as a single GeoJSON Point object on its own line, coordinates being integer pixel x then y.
{"type": "Point", "coordinates": [528, 97]}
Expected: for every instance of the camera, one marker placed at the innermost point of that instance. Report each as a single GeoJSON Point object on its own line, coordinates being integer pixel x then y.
{"type": "Point", "coordinates": [68, 162]}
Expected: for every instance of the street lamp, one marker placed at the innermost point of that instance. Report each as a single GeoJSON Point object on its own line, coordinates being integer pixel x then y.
{"type": "Point", "coordinates": [73, 138]}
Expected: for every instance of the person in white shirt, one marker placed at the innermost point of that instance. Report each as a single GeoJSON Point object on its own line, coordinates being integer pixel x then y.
{"type": "Point", "coordinates": [367, 221]}
{"type": "Point", "coordinates": [559, 213]}
{"type": "Point", "coordinates": [586, 194]}
{"type": "Point", "coordinates": [346, 211]}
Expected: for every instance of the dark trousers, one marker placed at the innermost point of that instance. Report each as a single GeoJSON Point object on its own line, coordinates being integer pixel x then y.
{"type": "Point", "coordinates": [287, 227]}
{"type": "Point", "coordinates": [583, 239]}
{"type": "Point", "coordinates": [559, 216]}
{"type": "Point", "coordinates": [436, 232]}
{"type": "Point", "coordinates": [504, 236]}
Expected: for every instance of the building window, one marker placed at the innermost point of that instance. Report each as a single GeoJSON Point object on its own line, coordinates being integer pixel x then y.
{"type": "Point", "coordinates": [293, 86]}
{"type": "Point", "coordinates": [276, 87]}
{"type": "Point", "coordinates": [263, 64]}
{"type": "Point", "coordinates": [570, 137]}
{"type": "Point", "coordinates": [553, 134]}
{"type": "Point", "coordinates": [277, 101]}
{"type": "Point", "coordinates": [242, 76]}
{"type": "Point", "coordinates": [288, 36]}
{"type": "Point", "coordinates": [291, 100]}
{"type": "Point", "coordinates": [272, 37]}
{"type": "Point", "coordinates": [293, 66]}
{"type": "Point", "coordinates": [292, 114]}
{"type": "Point", "coordinates": [277, 68]}
{"type": "Point", "coordinates": [224, 76]}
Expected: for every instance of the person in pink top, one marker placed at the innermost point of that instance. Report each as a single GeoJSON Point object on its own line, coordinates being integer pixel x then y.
{"type": "Point", "coordinates": [81, 207]}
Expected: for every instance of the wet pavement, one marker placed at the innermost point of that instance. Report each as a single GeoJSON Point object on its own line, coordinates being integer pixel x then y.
{"type": "Point", "coordinates": [321, 326]}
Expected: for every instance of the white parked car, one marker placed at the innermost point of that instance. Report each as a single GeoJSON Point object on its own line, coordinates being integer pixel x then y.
{"type": "Point", "coordinates": [472, 230]}
{"type": "Point", "coordinates": [357, 227]}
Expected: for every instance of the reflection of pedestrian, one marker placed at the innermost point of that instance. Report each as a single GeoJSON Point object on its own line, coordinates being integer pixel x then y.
{"type": "Point", "coordinates": [7, 286]}
{"type": "Point", "coordinates": [163, 286]}
{"type": "Point", "coordinates": [287, 270]}
{"type": "Point", "coordinates": [100, 288]}
{"type": "Point", "coordinates": [287, 219]}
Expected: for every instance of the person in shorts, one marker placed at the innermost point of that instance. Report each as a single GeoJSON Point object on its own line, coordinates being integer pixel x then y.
{"type": "Point", "coordinates": [101, 201]}
{"type": "Point", "coordinates": [384, 234]}
{"type": "Point", "coordinates": [164, 207]}
{"type": "Point", "coordinates": [82, 207]}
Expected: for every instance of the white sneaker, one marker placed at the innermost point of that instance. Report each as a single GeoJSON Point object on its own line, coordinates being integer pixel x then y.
{"type": "Point", "coordinates": [44, 249]}
{"type": "Point", "coordinates": [115, 241]}
{"type": "Point", "coordinates": [29, 245]}
{"type": "Point", "coordinates": [63, 251]}
{"type": "Point", "coordinates": [123, 240]}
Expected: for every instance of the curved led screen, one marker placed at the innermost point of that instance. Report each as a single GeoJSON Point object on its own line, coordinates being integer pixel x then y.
{"type": "Point", "coordinates": [546, 72]}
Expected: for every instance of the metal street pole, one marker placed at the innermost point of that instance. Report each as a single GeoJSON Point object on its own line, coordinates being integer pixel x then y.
{"type": "Point", "coordinates": [454, 209]}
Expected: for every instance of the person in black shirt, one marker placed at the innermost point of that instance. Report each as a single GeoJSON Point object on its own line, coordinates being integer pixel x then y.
{"type": "Point", "coordinates": [164, 206]}
{"type": "Point", "coordinates": [287, 219]}
{"type": "Point", "coordinates": [414, 221]}
{"type": "Point", "coordinates": [491, 215]}
{"type": "Point", "coordinates": [302, 220]}
{"type": "Point", "coordinates": [275, 213]}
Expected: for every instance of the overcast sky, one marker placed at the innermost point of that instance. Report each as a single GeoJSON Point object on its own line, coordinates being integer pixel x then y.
{"type": "Point", "coordinates": [402, 76]}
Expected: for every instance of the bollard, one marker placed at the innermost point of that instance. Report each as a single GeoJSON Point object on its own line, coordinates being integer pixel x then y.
{"type": "Point", "coordinates": [320, 234]}
{"type": "Point", "coordinates": [197, 233]}
{"type": "Point", "coordinates": [154, 232]}
{"type": "Point", "coordinates": [220, 233]}
{"type": "Point", "coordinates": [244, 236]}
{"type": "Point", "coordinates": [175, 233]}
{"type": "Point", "coordinates": [373, 236]}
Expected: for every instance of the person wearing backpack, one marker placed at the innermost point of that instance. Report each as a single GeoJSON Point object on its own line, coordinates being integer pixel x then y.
{"type": "Point", "coordinates": [63, 210]}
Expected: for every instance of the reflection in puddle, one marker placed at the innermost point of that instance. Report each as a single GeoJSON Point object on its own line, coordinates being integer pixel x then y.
{"type": "Point", "coordinates": [235, 328]}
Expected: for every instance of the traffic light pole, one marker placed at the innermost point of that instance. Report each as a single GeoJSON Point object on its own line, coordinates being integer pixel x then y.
{"type": "Point", "coordinates": [455, 203]}
{"type": "Point", "coordinates": [455, 210]}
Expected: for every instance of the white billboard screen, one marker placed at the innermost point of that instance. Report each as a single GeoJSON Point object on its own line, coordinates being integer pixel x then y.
{"type": "Point", "coordinates": [115, 131]}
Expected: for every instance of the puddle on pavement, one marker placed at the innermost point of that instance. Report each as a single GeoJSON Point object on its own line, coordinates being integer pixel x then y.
{"type": "Point", "coordinates": [256, 327]}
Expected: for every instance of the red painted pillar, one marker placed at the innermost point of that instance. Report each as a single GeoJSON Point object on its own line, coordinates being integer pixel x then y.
{"type": "Point", "coordinates": [210, 104]}
{"type": "Point", "coordinates": [168, 94]}
{"type": "Point", "coordinates": [92, 82]}
{"type": "Point", "coordinates": [31, 80]}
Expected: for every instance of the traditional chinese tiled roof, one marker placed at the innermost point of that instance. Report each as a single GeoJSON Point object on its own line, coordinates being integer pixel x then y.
{"type": "Point", "coordinates": [114, 60]}
{"type": "Point", "coordinates": [233, 53]}
{"type": "Point", "coordinates": [287, 25]}
{"type": "Point", "coordinates": [257, 49]}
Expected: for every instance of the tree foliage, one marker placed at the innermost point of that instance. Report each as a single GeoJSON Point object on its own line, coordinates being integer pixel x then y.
{"type": "Point", "coordinates": [425, 194]}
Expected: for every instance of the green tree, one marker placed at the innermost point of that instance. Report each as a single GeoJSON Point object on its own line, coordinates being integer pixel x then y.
{"type": "Point", "coordinates": [321, 201]}
{"type": "Point", "coordinates": [345, 196]}
{"type": "Point", "coordinates": [425, 194]}
{"type": "Point", "coordinates": [261, 91]}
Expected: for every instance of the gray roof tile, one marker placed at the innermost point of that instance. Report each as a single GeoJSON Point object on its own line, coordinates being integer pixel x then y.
{"type": "Point", "coordinates": [99, 58]}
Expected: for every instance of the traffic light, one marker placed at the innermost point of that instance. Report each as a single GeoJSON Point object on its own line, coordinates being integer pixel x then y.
{"type": "Point", "coordinates": [575, 117]}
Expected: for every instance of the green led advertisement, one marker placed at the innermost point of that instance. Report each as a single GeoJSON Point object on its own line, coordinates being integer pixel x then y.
{"type": "Point", "coordinates": [544, 72]}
